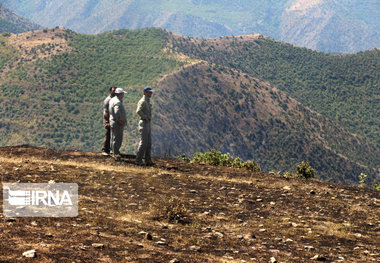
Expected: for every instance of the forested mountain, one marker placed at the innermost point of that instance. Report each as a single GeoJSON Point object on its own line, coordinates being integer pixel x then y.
{"type": "Point", "coordinates": [345, 88]}
{"type": "Point", "coordinates": [12, 23]}
{"type": "Point", "coordinates": [53, 82]}
{"type": "Point", "coordinates": [325, 25]}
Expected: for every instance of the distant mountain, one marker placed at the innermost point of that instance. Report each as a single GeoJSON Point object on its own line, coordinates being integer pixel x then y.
{"type": "Point", "coordinates": [52, 83]}
{"type": "Point", "coordinates": [12, 23]}
{"type": "Point", "coordinates": [325, 25]}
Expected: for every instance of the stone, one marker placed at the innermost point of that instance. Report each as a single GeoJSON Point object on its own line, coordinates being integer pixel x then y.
{"type": "Point", "coordinates": [30, 253]}
{"type": "Point", "coordinates": [273, 260]}
{"type": "Point", "coordinates": [97, 245]}
{"type": "Point", "coordinates": [195, 248]}
{"type": "Point", "coordinates": [309, 247]}
{"type": "Point", "coordinates": [312, 192]}
{"type": "Point", "coordinates": [161, 243]}
{"type": "Point", "coordinates": [287, 188]}
{"type": "Point", "coordinates": [174, 260]}
{"type": "Point", "coordinates": [218, 234]}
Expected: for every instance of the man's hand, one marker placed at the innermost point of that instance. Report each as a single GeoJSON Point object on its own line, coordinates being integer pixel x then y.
{"type": "Point", "coordinates": [120, 122]}
{"type": "Point", "coordinates": [147, 120]}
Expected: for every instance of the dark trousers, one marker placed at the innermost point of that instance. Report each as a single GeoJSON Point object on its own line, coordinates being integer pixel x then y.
{"type": "Point", "coordinates": [107, 139]}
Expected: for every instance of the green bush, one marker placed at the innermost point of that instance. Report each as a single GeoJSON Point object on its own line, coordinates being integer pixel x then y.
{"type": "Point", "coordinates": [304, 170]}
{"type": "Point", "coordinates": [216, 158]}
{"type": "Point", "coordinates": [362, 179]}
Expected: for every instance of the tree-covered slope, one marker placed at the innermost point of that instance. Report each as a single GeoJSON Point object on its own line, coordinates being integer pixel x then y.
{"type": "Point", "coordinates": [345, 88]}
{"type": "Point", "coordinates": [208, 106]}
{"type": "Point", "coordinates": [12, 23]}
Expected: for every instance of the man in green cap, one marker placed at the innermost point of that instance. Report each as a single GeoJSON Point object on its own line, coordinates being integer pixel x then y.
{"type": "Point", "coordinates": [144, 110]}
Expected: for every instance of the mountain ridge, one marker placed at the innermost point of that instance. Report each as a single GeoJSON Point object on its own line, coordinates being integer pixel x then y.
{"type": "Point", "coordinates": [13, 23]}
{"type": "Point", "coordinates": [342, 26]}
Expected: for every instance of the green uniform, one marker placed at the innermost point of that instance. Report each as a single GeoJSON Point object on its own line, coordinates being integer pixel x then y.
{"type": "Point", "coordinates": [144, 110]}
{"type": "Point", "coordinates": [117, 113]}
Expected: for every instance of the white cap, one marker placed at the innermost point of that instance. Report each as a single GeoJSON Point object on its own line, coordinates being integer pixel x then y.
{"type": "Point", "coordinates": [119, 91]}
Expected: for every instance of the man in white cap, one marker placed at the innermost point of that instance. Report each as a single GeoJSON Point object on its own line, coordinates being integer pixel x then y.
{"type": "Point", "coordinates": [144, 110]}
{"type": "Point", "coordinates": [118, 120]}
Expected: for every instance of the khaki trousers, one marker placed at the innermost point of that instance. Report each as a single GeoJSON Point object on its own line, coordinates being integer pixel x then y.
{"type": "Point", "coordinates": [145, 145]}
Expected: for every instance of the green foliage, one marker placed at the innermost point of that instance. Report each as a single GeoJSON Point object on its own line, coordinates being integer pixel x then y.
{"type": "Point", "coordinates": [288, 174]}
{"type": "Point", "coordinates": [376, 187]}
{"type": "Point", "coordinates": [342, 87]}
{"type": "Point", "coordinates": [216, 158]}
{"type": "Point", "coordinates": [184, 158]}
{"type": "Point", "coordinates": [6, 52]}
{"type": "Point", "coordinates": [304, 170]}
{"type": "Point", "coordinates": [362, 180]}
{"type": "Point", "coordinates": [120, 58]}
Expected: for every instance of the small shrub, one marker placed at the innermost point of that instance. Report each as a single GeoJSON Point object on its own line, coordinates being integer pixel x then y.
{"type": "Point", "coordinates": [304, 170]}
{"type": "Point", "coordinates": [362, 179]}
{"type": "Point", "coordinates": [216, 158]}
{"type": "Point", "coordinates": [288, 174]}
{"type": "Point", "coordinates": [183, 157]}
{"type": "Point", "coordinates": [376, 187]}
{"type": "Point", "coordinates": [172, 211]}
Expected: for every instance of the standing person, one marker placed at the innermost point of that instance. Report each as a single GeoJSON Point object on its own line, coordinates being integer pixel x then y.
{"type": "Point", "coordinates": [106, 121]}
{"type": "Point", "coordinates": [118, 120]}
{"type": "Point", "coordinates": [144, 110]}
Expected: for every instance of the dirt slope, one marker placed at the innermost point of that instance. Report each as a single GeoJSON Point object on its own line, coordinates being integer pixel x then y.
{"type": "Point", "coordinates": [223, 215]}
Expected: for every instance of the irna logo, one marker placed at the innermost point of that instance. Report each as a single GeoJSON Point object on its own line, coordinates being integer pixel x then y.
{"type": "Point", "coordinates": [42, 200]}
{"type": "Point", "coordinates": [48, 198]}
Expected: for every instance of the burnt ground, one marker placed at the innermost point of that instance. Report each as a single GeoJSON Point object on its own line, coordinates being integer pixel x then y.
{"type": "Point", "coordinates": [188, 212]}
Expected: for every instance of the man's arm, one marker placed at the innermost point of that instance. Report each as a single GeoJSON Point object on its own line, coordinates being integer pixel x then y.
{"type": "Point", "coordinates": [107, 118]}
{"type": "Point", "coordinates": [117, 112]}
{"type": "Point", "coordinates": [140, 112]}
